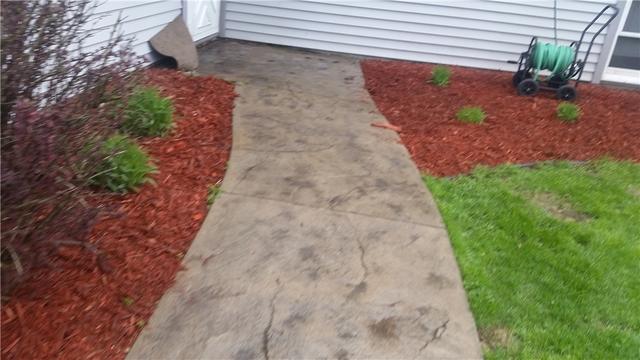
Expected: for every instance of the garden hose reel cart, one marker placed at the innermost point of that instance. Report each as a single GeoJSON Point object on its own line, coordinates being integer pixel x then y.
{"type": "Point", "coordinates": [561, 60]}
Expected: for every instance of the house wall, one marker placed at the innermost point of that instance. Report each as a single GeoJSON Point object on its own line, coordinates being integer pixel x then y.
{"type": "Point", "coordinates": [141, 20]}
{"type": "Point", "coordinates": [478, 33]}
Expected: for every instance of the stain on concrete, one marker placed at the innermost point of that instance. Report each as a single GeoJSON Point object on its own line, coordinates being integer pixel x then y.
{"type": "Point", "coordinates": [381, 183]}
{"type": "Point", "coordinates": [279, 233]}
{"type": "Point", "coordinates": [357, 290]}
{"type": "Point", "coordinates": [294, 318]}
{"type": "Point", "coordinates": [376, 235]}
{"type": "Point", "coordinates": [286, 215]}
{"type": "Point", "coordinates": [342, 354]}
{"type": "Point", "coordinates": [384, 329]}
{"type": "Point", "coordinates": [397, 209]}
{"type": "Point", "coordinates": [347, 334]}
{"type": "Point", "coordinates": [306, 253]}
{"type": "Point", "coordinates": [439, 281]}
{"type": "Point", "coordinates": [314, 274]}
{"type": "Point", "coordinates": [245, 354]}
{"type": "Point", "coordinates": [412, 239]}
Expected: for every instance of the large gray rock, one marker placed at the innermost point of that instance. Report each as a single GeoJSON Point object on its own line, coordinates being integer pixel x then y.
{"type": "Point", "coordinates": [175, 41]}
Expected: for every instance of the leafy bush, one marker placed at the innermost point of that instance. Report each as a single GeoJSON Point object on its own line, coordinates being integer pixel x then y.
{"type": "Point", "coordinates": [440, 75]}
{"type": "Point", "coordinates": [55, 96]}
{"type": "Point", "coordinates": [148, 113]}
{"type": "Point", "coordinates": [568, 112]}
{"type": "Point", "coordinates": [125, 166]}
{"type": "Point", "coordinates": [471, 114]}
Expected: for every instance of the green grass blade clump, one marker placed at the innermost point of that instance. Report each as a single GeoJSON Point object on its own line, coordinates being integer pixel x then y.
{"type": "Point", "coordinates": [213, 192]}
{"type": "Point", "coordinates": [148, 113]}
{"type": "Point", "coordinates": [440, 75]}
{"type": "Point", "coordinates": [125, 166]}
{"type": "Point", "coordinates": [471, 114]}
{"type": "Point", "coordinates": [568, 112]}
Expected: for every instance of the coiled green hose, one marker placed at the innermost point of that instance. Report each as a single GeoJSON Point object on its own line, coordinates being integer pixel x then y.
{"type": "Point", "coordinates": [555, 58]}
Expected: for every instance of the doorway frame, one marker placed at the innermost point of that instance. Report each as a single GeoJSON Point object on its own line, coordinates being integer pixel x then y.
{"type": "Point", "coordinates": [614, 74]}
{"type": "Point", "coordinates": [188, 5]}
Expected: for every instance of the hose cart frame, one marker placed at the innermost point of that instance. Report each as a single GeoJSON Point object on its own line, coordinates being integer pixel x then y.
{"type": "Point", "coordinates": [562, 61]}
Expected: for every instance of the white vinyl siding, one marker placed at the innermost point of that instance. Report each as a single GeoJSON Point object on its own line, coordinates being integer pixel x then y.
{"type": "Point", "coordinates": [141, 20]}
{"type": "Point", "coordinates": [476, 33]}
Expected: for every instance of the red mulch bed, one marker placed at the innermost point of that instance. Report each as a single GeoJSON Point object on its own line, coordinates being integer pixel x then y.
{"type": "Point", "coordinates": [72, 310]}
{"type": "Point", "coordinates": [517, 129]}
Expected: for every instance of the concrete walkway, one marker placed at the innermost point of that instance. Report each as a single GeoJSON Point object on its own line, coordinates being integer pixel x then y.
{"type": "Point", "coordinates": [325, 243]}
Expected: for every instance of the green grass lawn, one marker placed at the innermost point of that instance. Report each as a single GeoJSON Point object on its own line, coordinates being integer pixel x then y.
{"type": "Point", "coordinates": [550, 257]}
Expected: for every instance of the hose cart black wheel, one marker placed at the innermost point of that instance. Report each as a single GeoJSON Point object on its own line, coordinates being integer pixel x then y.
{"type": "Point", "coordinates": [566, 93]}
{"type": "Point", "coordinates": [528, 87]}
{"type": "Point", "coordinates": [519, 76]}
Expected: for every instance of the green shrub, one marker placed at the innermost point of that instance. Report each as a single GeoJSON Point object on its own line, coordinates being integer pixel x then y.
{"type": "Point", "coordinates": [471, 114]}
{"type": "Point", "coordinates": [568, 112]}
{"type": "Point", "coordinates": [125, 166]}
{"type": "Point", "coordinates": [440, 75]}
{"type": "Point", "coordinates": [148, 113]}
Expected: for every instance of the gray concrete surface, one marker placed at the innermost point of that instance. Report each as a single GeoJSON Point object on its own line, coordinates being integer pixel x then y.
{"type": "Point", "coordinates": [324, 243]}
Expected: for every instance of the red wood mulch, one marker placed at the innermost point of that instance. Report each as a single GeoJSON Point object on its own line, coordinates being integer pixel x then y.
{"type": "Point", "coordinates": [517, 129]}
{"type": "Point", "coordinates": [73, 310]}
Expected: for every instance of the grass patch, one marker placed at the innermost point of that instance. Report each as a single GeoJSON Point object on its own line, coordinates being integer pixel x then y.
{"type": "Point", "coordinates": [568, 112]}
{"type": "Point", "coordinates": [471, 114]}
{"type": "Point", "coordinates": [542, 286]}
{"type": "Point", "coordinates": [440, 75]}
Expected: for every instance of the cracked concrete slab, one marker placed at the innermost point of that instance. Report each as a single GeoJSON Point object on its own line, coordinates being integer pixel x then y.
{"type": "Point", "coordinates": [336, 178]}
{"type": "Point", "coordinates": [324, 243]}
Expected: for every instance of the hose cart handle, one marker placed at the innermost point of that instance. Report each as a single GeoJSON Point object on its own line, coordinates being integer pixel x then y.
{"type": "Point", "coordinates": [613, 16]}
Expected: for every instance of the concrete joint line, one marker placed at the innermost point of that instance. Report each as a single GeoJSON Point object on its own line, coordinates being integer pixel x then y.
{"type": "Point", "coordinates": [334, 210]}
{"type": "Point", "coordinates": [325, 148]}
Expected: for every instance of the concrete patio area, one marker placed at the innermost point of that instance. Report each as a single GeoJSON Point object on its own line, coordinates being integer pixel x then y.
{"type": "Point", "coordinates": [325, 243]}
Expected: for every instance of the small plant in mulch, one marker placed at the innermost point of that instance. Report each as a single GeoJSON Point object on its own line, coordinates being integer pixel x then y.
{"type": "Point", "coordinates": [440, 75]}
{"type": "Point", "coordinates": [568, 112]}
{"type": "Point", "coordinates": [127, 301]}
{"type": "Point", "coordinates": [471, 114]}
{"type": "Point", "coordinates": [125, 167]}
{"type": "Point", "coordinates": [212, 193]}
{"type": "Point", "coordinates": [148, 113]}
{"type": "Point", "coordinates": [140, 324]}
